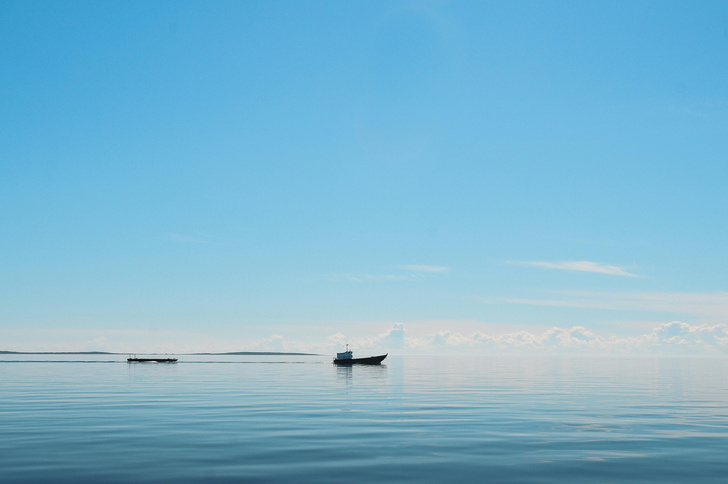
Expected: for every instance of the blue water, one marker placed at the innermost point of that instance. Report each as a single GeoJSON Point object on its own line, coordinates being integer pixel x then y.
{"type": "Point", "coordinates": [79, 418]}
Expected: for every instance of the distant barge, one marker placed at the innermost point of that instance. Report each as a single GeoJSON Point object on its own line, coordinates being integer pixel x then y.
{"type": "Point", "coordinates": [151, 360]}
{"type": "Point", "coordinates": [347, 358]}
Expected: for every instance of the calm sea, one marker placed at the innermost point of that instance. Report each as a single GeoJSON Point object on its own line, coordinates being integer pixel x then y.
{"type": "Point", "coordinates": [79, 418]}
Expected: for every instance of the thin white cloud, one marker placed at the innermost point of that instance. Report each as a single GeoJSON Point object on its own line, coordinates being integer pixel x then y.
{"type": "Point", "coordinates": [195, 239]}
{"type": "Point", "coordinates": [371, 277]}
{"type": "Point", "coordinates": [426, 269]}
{"type": "Point", "coordinates": [582, 266]}
{"type": "Point", "coordinates": [412, 272]}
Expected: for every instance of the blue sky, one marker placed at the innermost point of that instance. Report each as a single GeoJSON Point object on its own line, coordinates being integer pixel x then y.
{"type": "Point", "coordinates": [412, 176]}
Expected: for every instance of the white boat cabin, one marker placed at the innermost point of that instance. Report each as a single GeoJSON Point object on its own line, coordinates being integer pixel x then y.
{"type": "Point", "coordinates": [346, 355]}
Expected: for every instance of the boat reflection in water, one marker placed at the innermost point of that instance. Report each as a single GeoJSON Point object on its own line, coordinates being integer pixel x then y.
{"type": "Point", "coordinates": [347, 358]}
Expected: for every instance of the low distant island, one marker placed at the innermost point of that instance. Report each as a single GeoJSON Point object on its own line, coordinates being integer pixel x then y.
{"type": "Point", "coordinates": [58, 353]}
{"type": "Point", "coordinates": [231, 353]}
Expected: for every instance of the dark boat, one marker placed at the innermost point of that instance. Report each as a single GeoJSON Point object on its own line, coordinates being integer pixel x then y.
{"type": "Point", "coordinates": [347, 358]}
{"type": "Point", "coordinates": [151, 360]}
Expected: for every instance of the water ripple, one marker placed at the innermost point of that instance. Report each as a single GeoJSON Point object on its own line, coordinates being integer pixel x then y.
{"type": "Point", "coordinates": [413, 419]}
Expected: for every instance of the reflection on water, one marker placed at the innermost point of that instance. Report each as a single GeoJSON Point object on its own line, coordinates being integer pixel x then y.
{"type": "Point", "coordinates": [411, 419]}
{"type": "Point", "coordinates": [375, 374]}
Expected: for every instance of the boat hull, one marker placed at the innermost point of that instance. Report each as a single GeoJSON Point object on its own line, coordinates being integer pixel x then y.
{"type": "Point", "coordinates": [372, 360]}
{"type": "Point", "coordinates": [151, 360]}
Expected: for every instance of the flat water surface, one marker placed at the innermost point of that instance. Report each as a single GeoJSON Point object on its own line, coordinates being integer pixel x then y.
{"type": "Point", "coordinates": [96, 418]}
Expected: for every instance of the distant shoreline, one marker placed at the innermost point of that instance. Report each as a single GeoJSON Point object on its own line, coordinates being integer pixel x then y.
{"type": "Point", "coordinates": [233, 353]}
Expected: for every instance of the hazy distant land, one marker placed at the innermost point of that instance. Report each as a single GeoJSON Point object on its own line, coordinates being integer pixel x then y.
{"type": "Point", "coordinates": [58, 353]}
{"type": "Point", "coordinates": [232, 353]}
